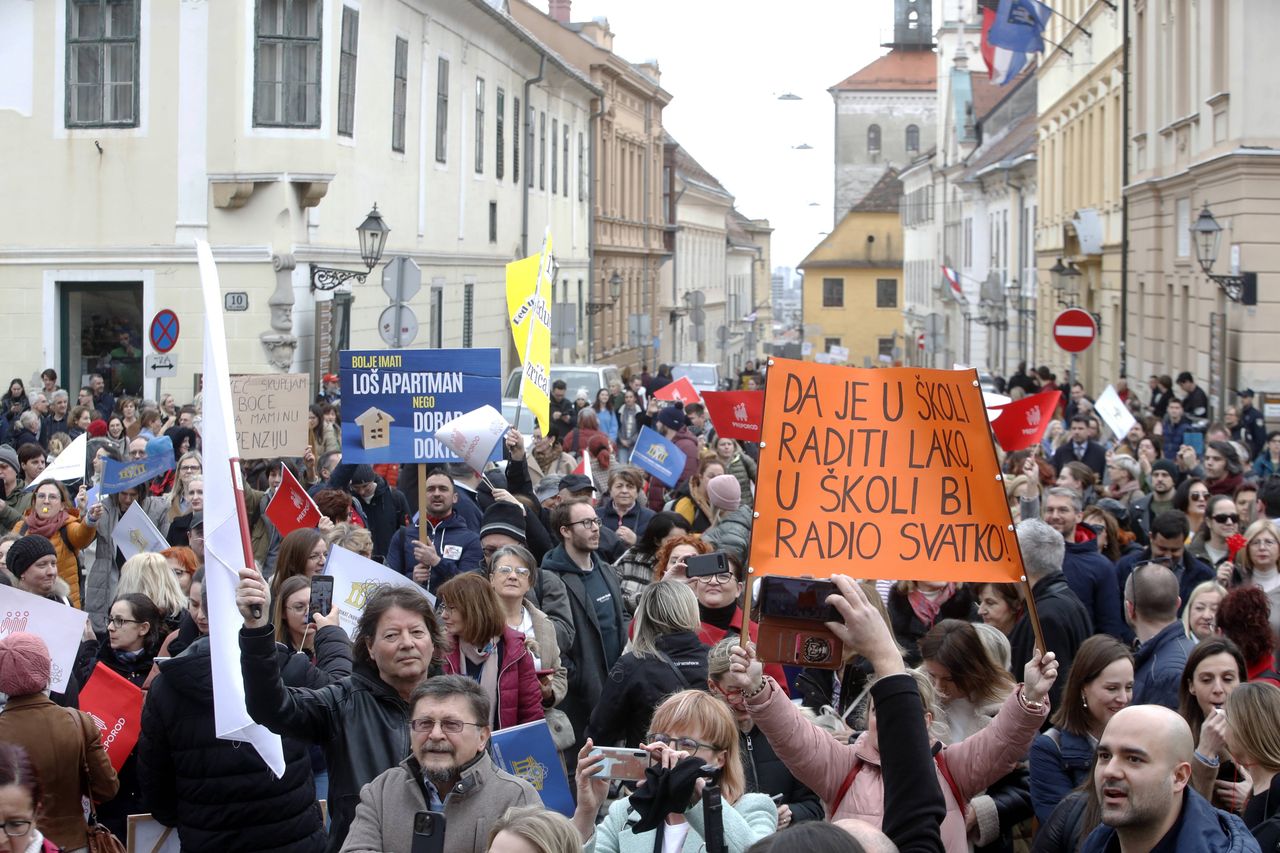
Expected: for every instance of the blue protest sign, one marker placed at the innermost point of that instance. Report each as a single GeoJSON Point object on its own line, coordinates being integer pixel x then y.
{"type": "Point", "coordinates": [393, 401]}
{"type": "Point", "coordinates": [529, 752]}
{"type": "Point", "coordinates": [118, 476]}
{"type": "Point", "coordinates": [659, 457]}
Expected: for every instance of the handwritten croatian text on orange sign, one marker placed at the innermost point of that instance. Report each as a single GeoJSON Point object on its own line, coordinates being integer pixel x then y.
{"type": "Point", "coordinates": [886, 473]}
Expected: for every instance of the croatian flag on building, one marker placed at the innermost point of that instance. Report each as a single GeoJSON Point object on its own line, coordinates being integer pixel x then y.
{"type": "Point", "coordinates": [953, 279]}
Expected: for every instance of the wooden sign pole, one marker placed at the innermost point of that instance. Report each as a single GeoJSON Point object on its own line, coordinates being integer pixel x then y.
{"type": "Point", "coordinates": [1034, 617]}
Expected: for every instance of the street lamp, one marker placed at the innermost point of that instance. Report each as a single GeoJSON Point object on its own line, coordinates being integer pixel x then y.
{"type": "Point", "coordinates": [615, 291]}
{"type": "Point", "coordinates": [1206, 233]}
{"type": "Point", "coordinates": [372, 234]}
{"type": "Point", "coordinates": [1063, 281]}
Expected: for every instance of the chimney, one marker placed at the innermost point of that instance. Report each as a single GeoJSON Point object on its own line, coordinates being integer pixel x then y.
{"type": "Point", "coordinates": [559, 10]}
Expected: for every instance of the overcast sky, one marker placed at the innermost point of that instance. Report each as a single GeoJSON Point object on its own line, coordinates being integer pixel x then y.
{"type": "Point", "coordinates": [725, 62]}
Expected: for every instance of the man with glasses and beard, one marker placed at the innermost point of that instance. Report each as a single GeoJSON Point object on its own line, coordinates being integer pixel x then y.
{"type": "Point", "coordinates": [448, 771]}
{"type": "Point", "coordinates": [581, 596]}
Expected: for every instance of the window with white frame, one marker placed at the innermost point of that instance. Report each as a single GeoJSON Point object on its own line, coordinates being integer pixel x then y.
{"type": "Point", "coordinates": [515, 141]}
{"type": "Point", "coordinates": [286, 68]}
{"type": "Point", "coordinates": [479, 125]}
{"type": "Point", "coordinates": [347, 71]}
{"type": "Point", "coordinates": [499, 120]}
{"type": "Point", "coordinates": [400, 95]}
{"type": "Point", "coordinates": [102, 63]}
{"type": "Point", "coordinates": [582, 168]}
{"type": "Point", "coordinates": [442, 110]}
{"type": "Point", "coordinates": [555, 155]}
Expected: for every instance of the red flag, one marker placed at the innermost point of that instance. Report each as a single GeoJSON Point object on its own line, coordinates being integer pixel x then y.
{"type": "Point", "coordinates": [584, 467]}
{"type": "Point", "coordinates": [679, 391]}
{"type": "Point", "coordinates": [292, 508]}
{"type": "Point", "coordinates": [1023, 422]}
{"type": "Point", "coordinates": [115, 705]}
{"type": "Point", "coordinates": [735, 414]}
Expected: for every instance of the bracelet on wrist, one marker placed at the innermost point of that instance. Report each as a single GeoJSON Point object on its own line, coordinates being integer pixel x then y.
{"type": "Point", "coordinates": [757, 690]}
{"type": "Point", "coordinates": [1035, 707]}
{"type": "Point", "coordinates": [1206, 760]}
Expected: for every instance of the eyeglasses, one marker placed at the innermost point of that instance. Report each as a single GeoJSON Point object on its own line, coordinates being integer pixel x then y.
{"type": "Point", "coordinates": [1199, 496]}
{"type": "Point", "coordinates": [426, 725]}
{"type": "Point", "coordinates": [190, 469]}
{"type": "Point", "coordinates": [1226, 518]}
{"type": "Point", "coordinates": [300, 607]}
{"type": "Point", "coordinates": [687, 744]}
{"type": "Point", "coordinates": [47, 499]}
{"type": "Point", "coordinates": [16, 828]}
{"type": "Point", "coordinates": [587, 523]}
{"type": "Point", "coordinates": [522, 571]}
{"type": "Point", "coordinates": [723, 579]}
{"type": "Point", "coordinates": [119, 622]}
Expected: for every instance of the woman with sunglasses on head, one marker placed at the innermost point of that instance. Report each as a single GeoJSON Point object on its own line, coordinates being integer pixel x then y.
{"type": "Point", "coordinates": [484, 648]}
{"type": "Point", "coordinates": [1215, 668]}
{"type": "Point", "coordinates": [512, 573]}
{"type": "Point", "coordinates": [664, 655]}
{"type": "Point", "coordinates": [689, 724]}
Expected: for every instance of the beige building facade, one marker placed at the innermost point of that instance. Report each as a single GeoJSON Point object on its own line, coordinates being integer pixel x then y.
{"type": "Point", "coordinates": [272, 136]}
{"type": "Point", "coordinates": [630, 233]}
{"type": "Point", "coordinates": [1079, 220]}
{"type": "Point", "coordinates": [1205, 131]}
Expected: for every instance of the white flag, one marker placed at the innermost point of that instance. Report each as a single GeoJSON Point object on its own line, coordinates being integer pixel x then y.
{"type": "Point", "coordinates": [135, 534]}
{"type": "Point", "coordinates": [224, 554]}
{"type": "Point", "coordinates": [70, 464]}
{"type": "Point", "coordinates": [60, 626]}
{"type": "Point", "coordinates": [473, 435]}
{"type": "Point", "coordinates": [355, 578]}
{"type": "Point", "coordinates": [1113, 410]}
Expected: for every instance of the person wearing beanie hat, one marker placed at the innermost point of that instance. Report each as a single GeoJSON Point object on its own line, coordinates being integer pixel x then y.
{"type": "Point", "coordinates": [55, 739]}
{"type": "Point", "coordinates": [504, 524]}
{"type": "Point", "coordinates": [1163, 480]}
{"type": "Point", "coordinates": [674, 427]}
{"type": "Point", "coordinates": [695, 503]}
{"type": "Point", "coordinates": [33, 562]}
{"type": "Point", "coordinates": [725, 493]}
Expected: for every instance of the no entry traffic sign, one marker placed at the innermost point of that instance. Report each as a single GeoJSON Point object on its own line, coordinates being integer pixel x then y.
{"type": "Point", "coordinates": [1074, 330]}
{"type": "Point", "coordinates": [164, 330]}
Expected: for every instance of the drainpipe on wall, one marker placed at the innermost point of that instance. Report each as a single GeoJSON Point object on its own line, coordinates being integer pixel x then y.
{"type": "Point", "coordinates": [528, 159]}
{"type": "Point", "coordinates": [1124, 201]}
{"type": "Point", "coordinates": [591, 215]}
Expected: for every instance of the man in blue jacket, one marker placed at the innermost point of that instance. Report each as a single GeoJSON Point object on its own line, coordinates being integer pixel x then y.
{"type": "Point", "coordinates": [1142, 780]}
{"type": "Point", "coordinates": [450, 547]}
{"type": "Point", "coordinates": [1089, 574]}
{"type": "Point", "coordinates": [1168, 546]}
{"type": "Point", "coordinates": [1151, 608]}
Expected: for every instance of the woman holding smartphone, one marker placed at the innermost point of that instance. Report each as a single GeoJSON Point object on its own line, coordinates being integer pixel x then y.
{"type": "Point", "coordinates": [692, 723]}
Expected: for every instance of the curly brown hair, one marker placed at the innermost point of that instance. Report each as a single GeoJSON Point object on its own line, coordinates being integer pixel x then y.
{"type": "Point", "coordinates": [664, 553]}
{"type": "Point", "coordinates": [1244, 617]}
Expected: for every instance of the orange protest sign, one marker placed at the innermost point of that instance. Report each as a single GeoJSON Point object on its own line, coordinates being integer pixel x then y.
{"type": "Point", "coordinates": [886, 473]}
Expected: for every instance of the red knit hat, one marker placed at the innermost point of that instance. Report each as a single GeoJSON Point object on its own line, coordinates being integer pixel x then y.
{"type": "Point", "coordinates": [24, 664]}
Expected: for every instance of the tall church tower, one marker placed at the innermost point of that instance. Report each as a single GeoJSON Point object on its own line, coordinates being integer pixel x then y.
{"type": "Point", "coordinates": [886, 112]}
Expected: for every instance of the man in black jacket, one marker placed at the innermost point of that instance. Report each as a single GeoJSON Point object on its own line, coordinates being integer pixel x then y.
{"type": "Point", "coordinates": [1169, 532]}
{"type": "Point", "coordinates": [222, 797]}
{"type": "Point", "coordinates": [581, 596]}
{"type": "Point", "coordinates": [1081, 449]}
{"type": "Point", "coordinates": [1064, 620]}
{"type": "Point", "coordinates": [1194, 402]}
{"type": "Point", "coordinates": [385, 509]}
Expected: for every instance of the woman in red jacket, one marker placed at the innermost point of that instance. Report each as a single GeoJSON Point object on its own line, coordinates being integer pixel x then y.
{"type": "Point", "coordinates": [484, 648]}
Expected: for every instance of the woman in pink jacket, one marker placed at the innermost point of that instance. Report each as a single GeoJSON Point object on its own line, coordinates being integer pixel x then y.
{"type": "Point", "coordinates": [846, 776]}
{"type": "Point", "coordinates": [484, 648]}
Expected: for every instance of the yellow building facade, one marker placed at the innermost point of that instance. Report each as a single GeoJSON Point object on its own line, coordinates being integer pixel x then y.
{"type": "Point", "coordinates": [852, 298]}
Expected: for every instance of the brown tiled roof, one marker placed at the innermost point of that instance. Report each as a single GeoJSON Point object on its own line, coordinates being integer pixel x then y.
{"type": "Point", "coordinates": [987, 95]}
{"type": "Point", "coordinates": [884, 196]}
{"type": "Point", "coordinates": [897, 70]}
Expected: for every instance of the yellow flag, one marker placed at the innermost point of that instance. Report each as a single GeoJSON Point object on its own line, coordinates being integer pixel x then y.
{"type": "Point", "coordinates": [528, 286]}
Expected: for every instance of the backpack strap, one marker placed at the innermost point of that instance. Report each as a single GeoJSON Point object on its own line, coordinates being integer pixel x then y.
{"type": "Point", "coordinates": [846, 785]}
{"type": "Point", "coordinates": [680, 679]}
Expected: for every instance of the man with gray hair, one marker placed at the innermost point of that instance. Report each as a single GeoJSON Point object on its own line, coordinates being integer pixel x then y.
{"type": "Point", "coordinates": [1064, 620]}
{"type": "Point", "coordinates": [1090, 575]}
{"type": "Point", "coordinates": [448, 771]}
{"type": "Point", "coordinates": [1151, 605]}
{"type": "Point", "coordinates": [56, 421]}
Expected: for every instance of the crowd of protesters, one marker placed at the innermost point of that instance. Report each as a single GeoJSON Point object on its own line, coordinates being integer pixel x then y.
{"type": "Point", "coordinates": [559, 592]}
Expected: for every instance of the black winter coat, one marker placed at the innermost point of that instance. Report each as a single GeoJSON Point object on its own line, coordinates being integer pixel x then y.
{"type": "Point", "coordinates": [907, 627]}
{"type": "Point", "coordinates": [637, 685]}
{"type": "Point", "coordinates": [385, 513]}
{"type": "Point", "coordinates": [220, 795]}
{"type": "Point", "coordinates": [1065, 622]}
{"type": "Point", "coordinates": [1063, 831]}
{"type": "Point", "coordinates": [766, 774]}
{"type": "Point", "coordinates": [360, 720]}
